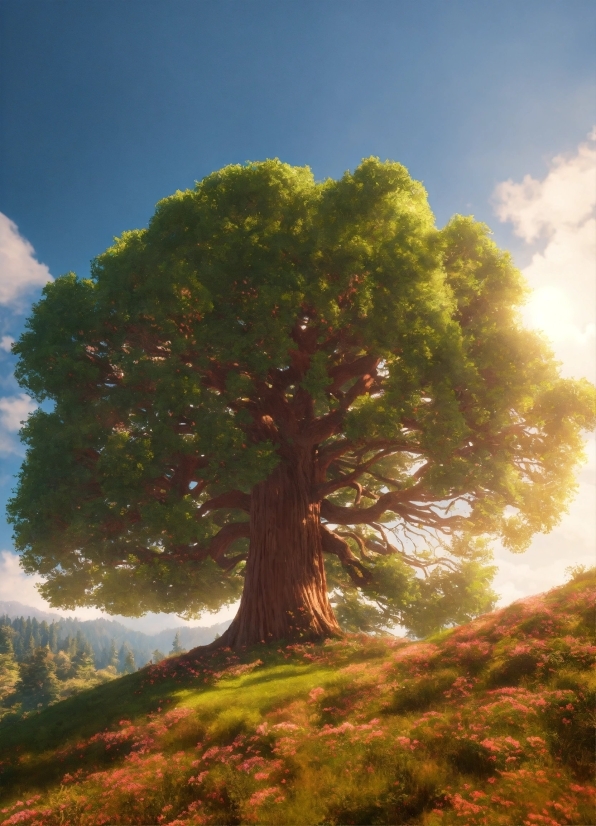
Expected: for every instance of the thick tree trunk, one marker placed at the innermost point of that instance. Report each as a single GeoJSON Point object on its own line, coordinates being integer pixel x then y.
{"type": "Point", "coordinates": [285, 591]}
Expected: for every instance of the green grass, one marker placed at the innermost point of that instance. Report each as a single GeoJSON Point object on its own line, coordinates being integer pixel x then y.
{"type": "Point", "coordinates": [489, 723]}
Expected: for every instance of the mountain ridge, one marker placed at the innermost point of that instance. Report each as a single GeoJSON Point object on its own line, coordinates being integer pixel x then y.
{"type": "Point", "coordinates": [100, 632]}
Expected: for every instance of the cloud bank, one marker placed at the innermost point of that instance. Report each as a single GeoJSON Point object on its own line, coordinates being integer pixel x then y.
{"type": "Point", "coordinates": [14, 410]}
{"type": "Point", "coordinates": [557, 216]}
{"type": "Point", "coordinates": [19, 270]}
{"type": "Point", "coordinates": [16, 585]}
{"type": "Point", "coordinates": [20, 273]}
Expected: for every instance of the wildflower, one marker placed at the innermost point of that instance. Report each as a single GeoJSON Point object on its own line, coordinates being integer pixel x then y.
{"type": "Point", "coordinates": [285, 726]}
{"type": "Point", "coordinates": [262, 795]}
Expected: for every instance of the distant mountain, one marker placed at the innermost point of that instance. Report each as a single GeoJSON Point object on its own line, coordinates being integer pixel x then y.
{"type": "Point", "coordinates": [100, 632]}
{"type": "Point", "coordinates": [13, 609]}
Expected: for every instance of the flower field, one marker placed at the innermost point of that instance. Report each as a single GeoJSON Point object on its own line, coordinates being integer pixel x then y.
{"type": "Point", "coordinates": [488, 723]}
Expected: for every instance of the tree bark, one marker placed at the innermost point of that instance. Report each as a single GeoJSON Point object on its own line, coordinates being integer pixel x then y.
{"type": "Point", "coordinates": [285, 590]}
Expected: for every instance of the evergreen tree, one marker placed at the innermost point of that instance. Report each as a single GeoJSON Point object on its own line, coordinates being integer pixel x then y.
{"type": "Point", "coordinates": [9, 671]}
{"type": "Point", "coordinates": [6, 637]}
{"type": "Point", "coordinates": [37, 684]}
{"type": "Point", "coordinates": [44, 634]}
{"type": "Point", "coordinates": [35, 633]}
{"type": "Point", "coordinates": [176, 646]}
{"type": "Point", "coordinates": [129, 662]}
{"type": "Point", "coordinates": [29, 648]}
{"type": "Point", "coordinates": [64, 667]}
{"type": "Point", "coordinates": [126, 660]}
{"type": "Point", "coordinates": [83, 660]}
{"type": "Point", "coordinates": [157, 656]}
{"type": "Point", "coordinates": [113, 656]}
{"type": "Point", "coordinates": [69, 645]}
{"type": "Point", "coordinates": [18, 625]}
{"type": "Point", "coordinates": [28, 641]}
{"type": "Point", "coordinates": [53, 638]}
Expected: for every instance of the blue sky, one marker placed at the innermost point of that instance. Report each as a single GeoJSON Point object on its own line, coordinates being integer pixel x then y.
{"type": "Point", "coordinates": [107, 106]}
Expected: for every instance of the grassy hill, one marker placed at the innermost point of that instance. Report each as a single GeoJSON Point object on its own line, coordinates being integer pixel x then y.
{"type": "Point", "coordinates": [489, 723]}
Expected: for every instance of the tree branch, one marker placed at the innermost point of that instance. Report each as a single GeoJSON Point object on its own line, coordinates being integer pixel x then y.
{"type": "Point", "coordinates": [232, 499]}
{"type": "Point", "coordinates": [393, 502]}
{"type": "Point", "coordinates": [222, 540]}
{"type": "Point", "coordinates": [356, 473]}
{"type": "Point", "coordinates": [341, 373]}
{"type": "Point", "coordinates": [334, 544]}
{"type": "Point", "coordinates": [359, 541]}
{"type": "Point", "coordinates": [228, 563]}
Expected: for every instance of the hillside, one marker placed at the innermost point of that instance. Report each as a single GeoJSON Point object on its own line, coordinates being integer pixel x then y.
{"type": "Point", "coordinates": [488, 723]}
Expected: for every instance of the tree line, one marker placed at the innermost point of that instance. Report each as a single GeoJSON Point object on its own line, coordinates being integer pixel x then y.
{"type": "Point", "coordinates": [38, 666]}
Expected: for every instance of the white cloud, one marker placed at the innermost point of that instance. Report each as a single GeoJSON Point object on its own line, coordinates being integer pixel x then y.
{"type": "Point", "coordinates": [557, 216]}
{"type": "Point", "coordinates": [19, 271]}
{"type": "Point", "coordinates": [14, 411]}
{"type": "Point", "coordinates": [572, 542]}
{"type": "Point", "coordinates": [16, 585]}
{"type": "Point", "coordinates": [6, 343]}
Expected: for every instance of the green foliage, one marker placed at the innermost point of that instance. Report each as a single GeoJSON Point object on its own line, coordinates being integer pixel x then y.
{"type": "Point", "coordinates": [126, 660]}
{"type": "Point", "coordinates": [37, 684]}
{"type": "Point", "coordinates": [84, 663]}
{"type": "Point", "coordinates": [64, 666]}
{"type": "Point", "coordinates": [9, 670]}
{"type": "Point", "coordinates": [176, 646]}
{"type": "Point", "coordinates": [112, 656]}
{"type": "Point", "coordinates": [157, 656]}
{"type": "Point", "coordinates": [261, 295]}
{"type": "Point", "coordinates": [423, 604]}
{"type": "Point", "coordinates": [6, 635]}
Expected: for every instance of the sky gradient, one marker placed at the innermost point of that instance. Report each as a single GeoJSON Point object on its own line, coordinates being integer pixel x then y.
{"type": "Point", "coordinates": [106, 107]}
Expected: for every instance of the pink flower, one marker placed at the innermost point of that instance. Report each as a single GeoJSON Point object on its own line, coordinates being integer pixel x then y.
{"type": "Point", "coordinates": [315, 694]}
{"type": "Point", "coordinates": [198, 779]}
{"type": "Point", "coordinates": [262, 795]}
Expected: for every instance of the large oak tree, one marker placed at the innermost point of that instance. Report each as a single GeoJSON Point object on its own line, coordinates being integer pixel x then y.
{"type": "Point", "coordinates": [291, 389]}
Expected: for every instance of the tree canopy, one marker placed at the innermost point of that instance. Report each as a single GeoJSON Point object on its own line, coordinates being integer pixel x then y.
{"type": "Point", "coordinates": [265, 334]}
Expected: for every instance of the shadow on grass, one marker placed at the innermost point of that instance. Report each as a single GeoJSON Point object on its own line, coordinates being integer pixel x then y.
{"type": "Point", "coordinates": [28, 746]}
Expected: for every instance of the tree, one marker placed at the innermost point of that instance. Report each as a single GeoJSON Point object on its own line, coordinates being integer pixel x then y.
{"type": "Point", "coordinates": [157, 656]}
{"type": "Point", "coordinates": [129, 662]}
{"type": "Point", "coordinates": [37, 684]}
{"type": "Point", "coordinates": [112, 655]}
{"type": "Point", "coordinates": [176, 646]}
{"type": "Point", "coordinates": [285, 389]}
{"type": "Point", "coordinates": [83, 661]}
{"type": "Point", "coordinates": [126, 660]}
{"type": "Point", "coordinates": [64, 666]}
{"type": "Point", "coordinates": [9, 670]}
{"type": "Point", "coordinates": [53, 637]}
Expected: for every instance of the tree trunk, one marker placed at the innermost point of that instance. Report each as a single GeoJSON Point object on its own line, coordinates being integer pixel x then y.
{"type": "Point", "coordinates": [285, 590]}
